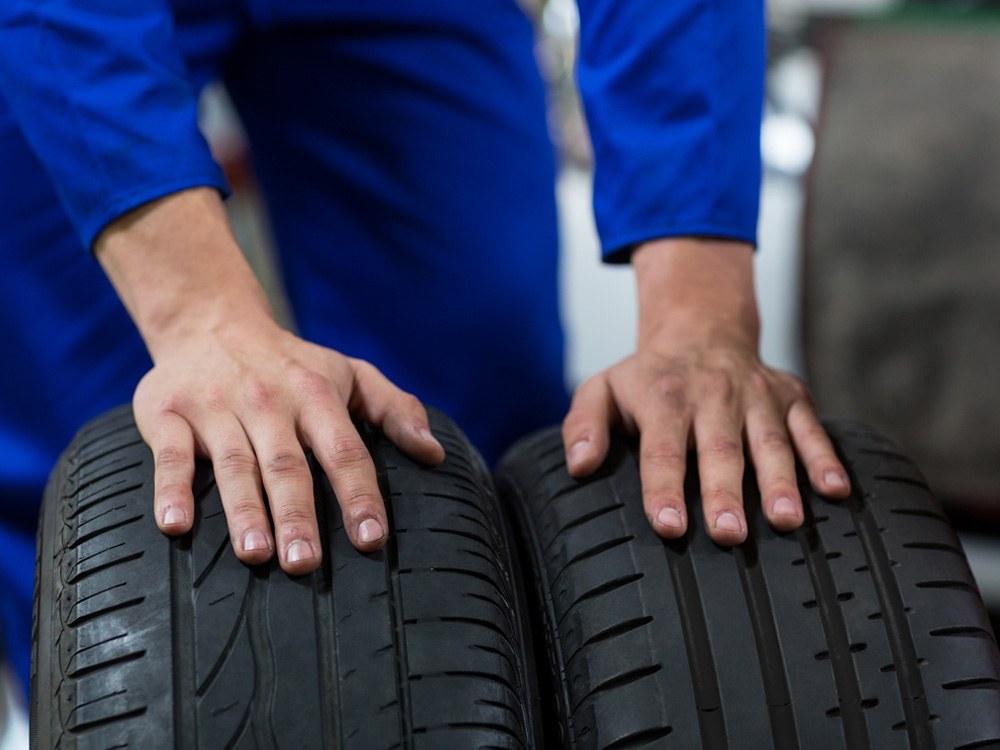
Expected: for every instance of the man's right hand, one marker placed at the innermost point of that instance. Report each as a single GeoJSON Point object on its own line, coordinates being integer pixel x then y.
{"type": "Point", "coordinates": [229, 384]}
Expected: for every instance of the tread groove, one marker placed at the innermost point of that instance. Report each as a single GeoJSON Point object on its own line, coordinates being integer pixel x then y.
{"type": "Point", "coordinates": [766, 638]}
{"type": "Point", "coordinates": [841, 662]}
{"type": "Point", "coordinates": [911, 687]}
{"type": "Point", "coordinates": [704, 679]}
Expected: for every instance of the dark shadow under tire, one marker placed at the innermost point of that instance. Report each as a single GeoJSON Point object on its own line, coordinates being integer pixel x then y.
{"type": "Point", "coordinates": [147, 643]}
{"type": "Point", "coordinates": [863, 629]}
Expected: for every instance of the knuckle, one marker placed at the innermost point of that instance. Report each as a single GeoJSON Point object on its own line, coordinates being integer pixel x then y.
{"type": "Point", "coordinates": [295, 517]}
{"type": "Point", "coordinates": [310, 383]}
{"type": "Point", "coordinates": [774, 440]}
{"type": "Point", "coordinates": [670, 387]}
{"type": "Point", "coordinates": [236, 461]}
{"type": "Point", "coordinates": [245, 508]}
{"type": "Point", "coordinates": [665, 454]}
{"type": "Point", "coordinates": [721, 447]}
{"type": "Point", "coordinates": [285, 462]}
{"type": "Point", "coordinates": [758, 383]}
{"type": "Point", "coordinates": [348, 452]}
{"type": "Point", "coordinates": [719, 384]}
{"type": "Point", "coordinates": [171, 457]}
{"type": "Point", "coordinates": [258, 395]}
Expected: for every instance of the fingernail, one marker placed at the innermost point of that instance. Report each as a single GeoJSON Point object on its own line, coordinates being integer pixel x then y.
{"type": "Point", "coordinates": [299, 550]}
{"type": "Point", "coordinates": [370, 530]}
{"type": "Point", "coordinates": [426, 434]}
{"type": "Point", "coordinates": [728, 522]}
{"type": "Point", "coordinates": [784, 507]}
{"type": "Point", "coordinates": [670, 518]}
{"type": "Point", "coordinates": [578, 452]}
{"type": "Point", "coordinates": [836, 479]}
{"type": "Point", "coordinates": [174, 517]}
{"type": "Point", "coordinates": [254, 540]}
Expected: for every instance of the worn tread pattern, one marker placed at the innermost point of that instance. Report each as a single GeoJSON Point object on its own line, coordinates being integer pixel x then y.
{"type": "Point", "coordinates": [147, 643]}
{"type": "Point", "coordinates": [863, 629]}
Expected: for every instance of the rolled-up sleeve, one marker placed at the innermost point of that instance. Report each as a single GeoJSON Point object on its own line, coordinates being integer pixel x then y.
{"type": "Point", "coordinates": [101, 93]}
{"type": "Point", "coordinates": [673, 92]}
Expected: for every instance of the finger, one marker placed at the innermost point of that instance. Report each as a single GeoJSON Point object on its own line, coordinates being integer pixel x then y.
{"type": "Point", "coordinates": [238, 479]}
{"type": "Point", "coordinates": [826, 473]}
{"type": "Point", "coordinates": [585, 430]}
{"type": "Point", "coordinates": [172, 443]}
{"type": "Point", "coordinates": [720, 466]}
{"type": "Point", "coordinates": [663, 449]}
{"type": "Point", "coordinates": [327, 429]}
{"type": "Point", "coordinates": [290, 494]}
{"type": "Point", "coordinates": [774, 463]}
{"type": "Point", "coordinates": [401, 415]}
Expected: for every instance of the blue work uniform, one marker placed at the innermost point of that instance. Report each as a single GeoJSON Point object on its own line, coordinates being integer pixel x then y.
{"type": "Point", "coordinates": [403, 155]}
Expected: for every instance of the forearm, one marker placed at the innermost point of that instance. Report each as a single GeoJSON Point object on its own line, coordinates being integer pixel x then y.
{"type": "Point", "coordinates": [178, 270]}
{"type": "Point", "coordinates": [690, 288]}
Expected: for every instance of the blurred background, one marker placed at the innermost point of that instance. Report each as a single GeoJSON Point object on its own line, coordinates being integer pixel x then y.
{"type": "Point", "coordinates": [879, 258]}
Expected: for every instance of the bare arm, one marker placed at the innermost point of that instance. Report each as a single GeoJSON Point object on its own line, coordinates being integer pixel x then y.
{"type": "Point", "coordinates": [696, 379]}
{"type": "Point", "coordinates": [228, 383]}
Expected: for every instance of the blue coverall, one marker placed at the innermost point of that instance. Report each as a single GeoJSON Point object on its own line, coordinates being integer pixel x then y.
{"type": "Point", "coordinates": [403, 155]}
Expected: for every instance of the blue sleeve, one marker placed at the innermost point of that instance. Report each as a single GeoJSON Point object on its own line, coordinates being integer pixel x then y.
{"type": "Point", "coordinates": [673, 92]}
{"type": "Point", "coordinates": [100, 91]}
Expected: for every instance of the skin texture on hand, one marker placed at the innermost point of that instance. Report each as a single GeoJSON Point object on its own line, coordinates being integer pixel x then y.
{"type": "Point", "coordinates": [696, 379]}
{"type": "Point", "coordinates": [229, 384]}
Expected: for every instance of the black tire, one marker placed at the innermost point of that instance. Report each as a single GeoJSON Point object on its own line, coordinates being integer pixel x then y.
{"type": "Point", "coordinates": [149, 643]}
{"type": "Point", "coordinates": [864, 629]}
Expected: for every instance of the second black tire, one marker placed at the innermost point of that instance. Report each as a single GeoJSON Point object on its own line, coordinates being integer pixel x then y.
{"type": "Point", "coordinates": [863, 629]}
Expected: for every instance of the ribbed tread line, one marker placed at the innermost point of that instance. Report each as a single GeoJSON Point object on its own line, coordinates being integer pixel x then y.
{"type": "Point", "coordinates": [75, 622]}
{"type": "Point", "coordinates": [89, 726]}
{"type": "Point", "coordinates": [395, 604]}
{"type": "Point", "coordinates": [466, 673]}
{"type": "Point", "coordinates": [485, 558]}
{"type": "Point", "coordinates": [468, 621]}
{"type": "Point", "coordinates": [102, 497]}
{"type": "Point", "coordinates": [992, 742]}
{"type": "Point", "coordinates": [900, 479]}
{"type": "Point", "coordinates": [582, 520]}
{"type": "Point", "coordinates": [227, 650]}
{"type": "Point", "coordinates": [704, 678]}
{"type": "Point", "coordinates": [597, 549]}
{"type": "Point", "coordinates": [182, 632]}
{"type": "Point", "coordinates": [504, 609]}
{"type": "Point", "coordinates": [97, 532]}
{"type": "Point", "coordinates": [543, 585]}
{"type": "Point", "coordinates": [948, 584]}
{"type": "Point", "coordinates": [460, 571]}
{"type": "Point", "coordinates": [112, 662]}
{"type": "Point", "coordinates": [260, 637]}
{"type": "Point", "coordinates": [502, 654]}
{"type": "Point", "coordinates": [966, 631]}
{"type": "Point", "coordinates": [639, 739]}
{"type": "Point", "coordinates": [973, 683]}
{"type": "Point", "coordinates": [619, 680]}
{"type": "Point", "coordinates": [936, 546]}
{"type": "Point", "coordinates": [845, 674]}
{"type": "Point", "coordinates": [81, 485]}
{"type": "Point", "coordinates": [611, 632]}
{"type": "Point", "coordinates": [75, 578]}
{"type": "Point", "coordinates": [904, 655]}
{"type": "Point", "coordinates": [604, 588]}
{"type": "Point", "coordinates": [470, 725]}
{"type": "Point", "coordinates": [768, 643]}
{"type": "Point", "coordinates": [921, 513]}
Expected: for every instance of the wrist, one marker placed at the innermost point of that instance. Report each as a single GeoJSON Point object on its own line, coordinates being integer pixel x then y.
{"type": "Point", "coordinates": [178, 270]}
{"type": "Point", "coordinates": [698, 290]}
